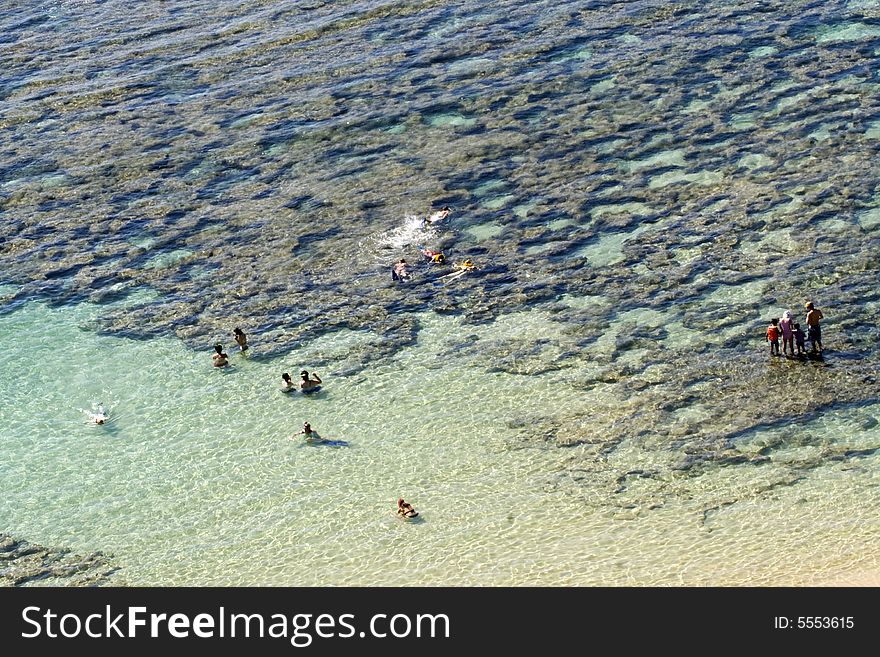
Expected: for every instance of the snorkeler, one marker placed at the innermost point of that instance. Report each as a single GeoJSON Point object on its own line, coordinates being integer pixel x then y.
{"type": "Point", "coordinates": [241, 339]}
{"type": "Point", "coordinates": [221, 359]}
{"type": "Point", "coordinates": [307, 384]}
{"type": "Point", "coordinates": [436, 257]}
{"type": "Point", "coordinates": [461, 269]}
{"type": "Point", "coordinates": [405, 509]}
{"type": "Point", "coordinates": [433, 218]}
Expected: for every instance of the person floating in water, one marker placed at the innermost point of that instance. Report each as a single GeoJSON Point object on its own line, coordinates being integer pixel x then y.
{"type": "Point", "coordinates": [310, 434]}
{"type": "Point", "coordinates": [100, 416]}
{"type": "Point", "coordinates": [307, 384]}
{"type": "Point", "coordinates": [405, 509]}
{"type": "Point", "coordinates": [287, 386]}
{"type": "Point", "coordinates": [435, 217]}
{"type": "Point", "coordinates": [461, 269]}
{"type": "Point", "coordinates": [221, 359]}
{"type": "Point", "coordinates": [773, 336]}
{"type": "Point", "coordinates": [400, 271]}
{"type": "Point", "coordinates": [785, 325]}
{"type": "Point", "coordinates": [436, 257]}
{"type": "Point", "coordinates": [813, 331]}
{"type": "Point", "coordinates": [241, 339]}
{"type": "Point", "coordinates": [799, 337]}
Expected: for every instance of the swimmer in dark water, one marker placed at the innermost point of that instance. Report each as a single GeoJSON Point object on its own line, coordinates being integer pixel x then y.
{"type": "Point", "coordinates": [436, 257]}
{"type": "Point", "coordinates": [400, 271]}
{"type": "Point", "coordinates": [405, 509]}
{"type": "Point", "coordinates": [440, 215]}
{"type": "Point", "coordinates": [221, 359]}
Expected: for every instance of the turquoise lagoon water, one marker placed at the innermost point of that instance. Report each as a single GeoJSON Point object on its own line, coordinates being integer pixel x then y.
{"type": "Point", "coordinates": [196, 479]}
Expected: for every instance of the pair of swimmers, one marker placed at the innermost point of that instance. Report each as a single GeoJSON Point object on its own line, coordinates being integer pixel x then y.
{"type": "Point", "coordinates": [220, 357]}
{"type": "Point", "coordinates": [307, 383]}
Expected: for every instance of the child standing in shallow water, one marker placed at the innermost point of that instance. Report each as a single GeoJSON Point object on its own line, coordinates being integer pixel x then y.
{"type": "Point", "coordinates": [773, 336]}
{"type": "Point", "coordinates": [787, 333]}
{"type": "Point", "coordinates": [799, 339]}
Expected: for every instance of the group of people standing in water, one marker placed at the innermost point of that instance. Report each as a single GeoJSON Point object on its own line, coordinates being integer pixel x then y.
{"type": "Point", "coordinates": [793, 336]}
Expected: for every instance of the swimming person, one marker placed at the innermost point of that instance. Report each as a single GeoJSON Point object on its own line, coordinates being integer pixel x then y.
{"type": "Point", "coordinates": [813, 330]}
{"type": "Point", "coordinates": [100, 416]}
{"type": "Point", "coordinates": [433, 218]}
{"type": "Point", "coordinates": [787, 333]}
{"type": "Point", "coordinates": [773, 336]}
{"type": "Point", "coordinates": [288, 383]}
{"type": "Point", "coordinates": [307, 384]}
{"type": "Point", "coordinates": [436, 257]}
{"type": "Point", "coordinates": [221, 359]}
{"type": "Point", "coordinates": [241, 339]}
{"type": "Point", "coordinates": [310, 434]}
{"type": "Point", "coordinates": [400, 271]}
{"type": "Point", "coordinates": [405, 509]}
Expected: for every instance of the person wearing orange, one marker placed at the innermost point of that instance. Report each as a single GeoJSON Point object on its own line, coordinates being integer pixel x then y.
{"type": "Point", "coordinates": [773, 336]}
{"type": "Point", "coordinates": [436, 257]}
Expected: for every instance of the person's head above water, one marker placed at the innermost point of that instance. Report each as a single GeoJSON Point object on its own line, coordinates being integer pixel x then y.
{"type": "Point", "coordinates": [809, 305]}
{"type": "Point", "coordinates": [774, 321]}
{"type": "Point", "coordinates": [238, 331]}
{"type": "Point", "coordinates": [307, 428]}
{"type": "Point", "coordinates": [304, 374]}
{"type": "Point", "coordinates": [285, 377]}
{"type": "Point", "coordinates": [218, 348]}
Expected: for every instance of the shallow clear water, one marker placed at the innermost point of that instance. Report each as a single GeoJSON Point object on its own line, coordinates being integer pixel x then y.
{"type": "Point", "coordinates": [196, 480]}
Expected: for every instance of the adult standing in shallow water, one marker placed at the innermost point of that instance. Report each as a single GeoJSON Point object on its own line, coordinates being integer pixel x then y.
{"type": "Point", "coordinates": [814, 333]}
{"type": "Point", "coordinates": [241, 339]}
{"type": "Point", "coordinates": [221, 359]}
{"type": "Point", "coordinates": [787, 333]}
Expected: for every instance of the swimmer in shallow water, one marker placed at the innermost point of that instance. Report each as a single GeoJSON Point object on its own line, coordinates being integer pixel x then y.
{"type": "Point", "coordinates": [221, 359]}
{"type": "Point", "coordinates": [310, 434]}
{"type": "Point", "coordinates": [287, 386]}
{"type": "Point", "coordinates": [405, 509]}
{"type": "Point", "coordinates": [307, 384]}
{"type": "Point", "coordinates": [99, 415]}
